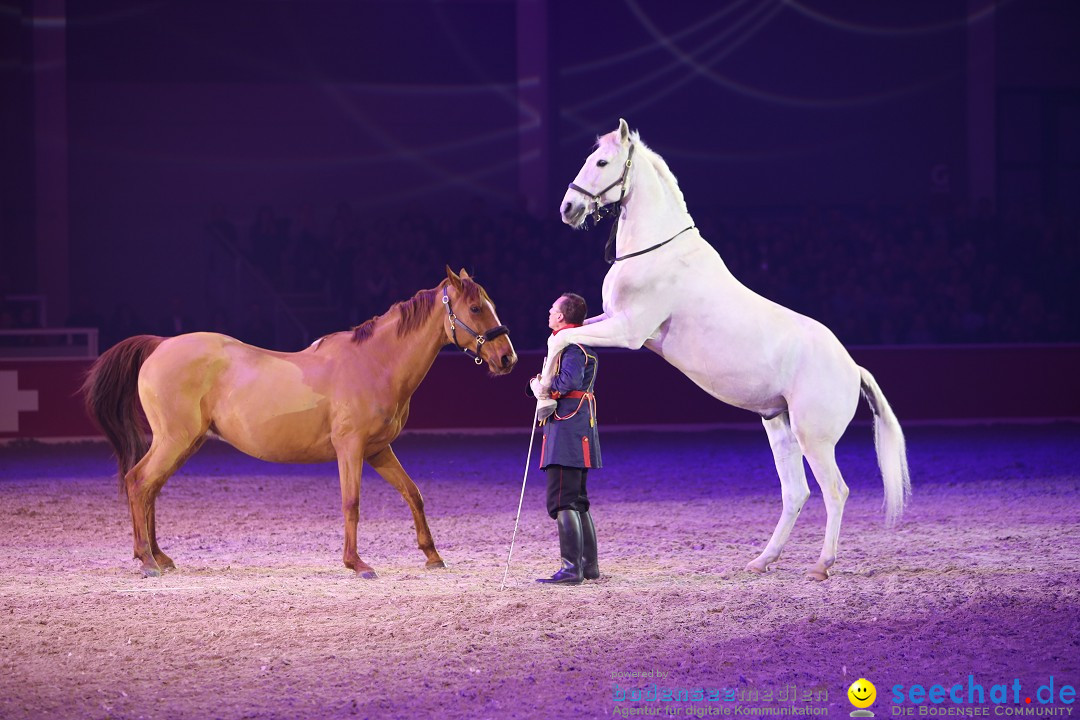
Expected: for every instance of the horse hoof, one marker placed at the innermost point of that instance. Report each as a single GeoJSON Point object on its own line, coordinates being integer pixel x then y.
{"type": "Point", "coordinates": [369, 575]}
{"type": "Point", "coordinates": [817, 575]}
{"type": "Point", "coordinates": [757, 569]}
{"type": "Point", "coordinates": [151, 572]}
{"type": "Point", "coordinates": [435, 565]}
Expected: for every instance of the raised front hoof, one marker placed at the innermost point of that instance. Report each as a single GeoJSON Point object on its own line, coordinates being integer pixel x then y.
{"type": "Point", "coordinates": [818, 573]}
{"type": "Point", "coordinates": [435, 565]}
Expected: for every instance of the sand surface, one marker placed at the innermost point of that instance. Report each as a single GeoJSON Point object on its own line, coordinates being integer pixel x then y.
{"type": "Point", "coordinates": [261, 620]}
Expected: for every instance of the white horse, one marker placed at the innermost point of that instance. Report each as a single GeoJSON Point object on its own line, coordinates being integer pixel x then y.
{"type": "Point", "coordinates": [669, 290]}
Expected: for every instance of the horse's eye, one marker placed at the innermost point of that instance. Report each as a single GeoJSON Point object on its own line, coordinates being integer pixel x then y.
{"type": "Point", "coordinates": [474, 309]}
{"type": "Point", "coordinates": [601, 163]}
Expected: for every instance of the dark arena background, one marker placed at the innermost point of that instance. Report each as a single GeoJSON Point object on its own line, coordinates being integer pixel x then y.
{"type": "Point", "coordinates": [906, 172]}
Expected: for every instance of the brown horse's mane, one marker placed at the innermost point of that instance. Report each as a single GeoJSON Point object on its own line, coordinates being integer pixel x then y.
{"type": "Point", "coordinates": [415, 310]}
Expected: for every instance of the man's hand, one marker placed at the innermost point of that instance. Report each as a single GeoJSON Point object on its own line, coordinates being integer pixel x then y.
{"type": "Point", "coordinates": [545, 406]}
{"type": "Point", "coordinates": [538, 390]}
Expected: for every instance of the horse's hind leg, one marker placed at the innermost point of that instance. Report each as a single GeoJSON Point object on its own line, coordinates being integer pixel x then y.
{"type": "Point", "coordinates": [143, 483]}
{"type": "Point", "coordinates": [387, 465]}
{"type": "Point", "coordinates": [164, 561]}
{"type": "Point", "coordinates": [793, 488]}
{"type": "Point", "coordinates": [822, 458]}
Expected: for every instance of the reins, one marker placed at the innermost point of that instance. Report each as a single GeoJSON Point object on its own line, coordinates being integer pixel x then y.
{"type": "Point", "coordinates": [601, 209]}
{"type": "Point", "coordinates": [608, 255]}
{"type": "Point", "coordinates": [481, 338]}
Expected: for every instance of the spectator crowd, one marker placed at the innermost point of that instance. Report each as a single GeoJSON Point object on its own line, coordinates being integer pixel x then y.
{"type": "Point", "coordinates": [874, 275]}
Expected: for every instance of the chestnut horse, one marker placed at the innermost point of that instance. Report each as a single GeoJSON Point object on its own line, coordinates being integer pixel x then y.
{"type": "Point", "coordinates": [345, 397]}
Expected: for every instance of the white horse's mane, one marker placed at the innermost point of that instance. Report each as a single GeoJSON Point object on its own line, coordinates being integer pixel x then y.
{"type": "Point", "coordinates": [661, 167]}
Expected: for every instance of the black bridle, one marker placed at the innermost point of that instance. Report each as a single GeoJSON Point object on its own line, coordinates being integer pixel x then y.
{"type": "Point", "coordinates": [601, 209]}
{"type": "Point", "coordinates": [481, 338]}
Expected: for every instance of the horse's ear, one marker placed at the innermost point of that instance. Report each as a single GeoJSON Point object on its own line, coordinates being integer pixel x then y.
{"type": "Point", "coordinates": [453, 278]}
{"type": "Point", "coordinates": [624, 131]}
{"type": "Point", "coordinates": [464, 274]}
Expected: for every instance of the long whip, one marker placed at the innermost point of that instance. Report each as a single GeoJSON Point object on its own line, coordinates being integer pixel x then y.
{"type": "Point", "coordinates": [528, 458]}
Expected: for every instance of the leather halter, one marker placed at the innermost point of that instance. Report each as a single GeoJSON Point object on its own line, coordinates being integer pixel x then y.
{"type": "Point", "coordinates": [481, 338]}
{"type": "Point", "coordinates": [600, 209]}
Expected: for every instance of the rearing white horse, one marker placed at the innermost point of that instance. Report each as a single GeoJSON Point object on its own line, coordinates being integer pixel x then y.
{"type": "Point", "coordinates": [669, 290]}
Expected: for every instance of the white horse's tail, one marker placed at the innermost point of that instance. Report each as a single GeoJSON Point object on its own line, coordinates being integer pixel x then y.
{"type": "Point", "coordinates": [891, 450]}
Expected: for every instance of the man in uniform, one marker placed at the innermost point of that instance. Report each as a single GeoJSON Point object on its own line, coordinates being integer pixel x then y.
{"type": "Point", "coordinates": [571, 446]}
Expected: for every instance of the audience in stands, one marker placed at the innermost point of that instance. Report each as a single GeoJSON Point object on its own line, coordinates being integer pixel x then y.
{"type": "Point", "coordinates": [875, 275]}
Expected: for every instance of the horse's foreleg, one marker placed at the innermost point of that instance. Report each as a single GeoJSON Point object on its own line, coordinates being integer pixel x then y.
{"type": "Point", "coordinates": [793, 488]}
{"type": "Point", "coordinates": [822, 459]}
{"type": "Point", "coordinates": [604, 331]}
{"type": "Point", "coordinates": [388, 466]}
{"type": "Point", "coordinates": [595, 319]}
{"type": "Point", "coordinates": [350, 464]}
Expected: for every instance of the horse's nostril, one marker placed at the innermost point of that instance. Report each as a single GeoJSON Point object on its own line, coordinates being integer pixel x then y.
{"type": "Point", "coordinates": [506, 361]}
{"type": "Point", "coordinates": [566, 209]}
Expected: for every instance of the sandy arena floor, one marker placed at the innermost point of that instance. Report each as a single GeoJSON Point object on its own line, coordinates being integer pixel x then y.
{"type": "Point", "coordinates": [262, 621]}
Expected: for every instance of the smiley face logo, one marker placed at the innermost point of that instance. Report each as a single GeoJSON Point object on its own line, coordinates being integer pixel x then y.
{"type": "Point", "coordinates": [862, 693]}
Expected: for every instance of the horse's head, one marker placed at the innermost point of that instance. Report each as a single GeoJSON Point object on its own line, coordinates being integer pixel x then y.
{"type": "Point", "coordinates": [472, 325]}
{"type": "Point", "coordinates": [603, 178]}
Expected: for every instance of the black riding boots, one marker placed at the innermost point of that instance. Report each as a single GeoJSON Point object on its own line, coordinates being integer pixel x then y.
{"type": "Point", "coordinates": [570, 547]}
{"type": "Point", "coordinates": [577, 545]}
{"type": "Point", "coordinates": [589, 565]}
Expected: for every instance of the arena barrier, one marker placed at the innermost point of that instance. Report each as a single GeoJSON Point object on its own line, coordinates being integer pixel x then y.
{"type": "Point", "coordinates": [958, 383]}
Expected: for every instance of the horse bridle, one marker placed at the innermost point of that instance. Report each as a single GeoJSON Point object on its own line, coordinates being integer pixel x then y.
{"type": "Point", "coordinates": [599, 210]}
{"type": "Point", "coordinates": [481, 338]}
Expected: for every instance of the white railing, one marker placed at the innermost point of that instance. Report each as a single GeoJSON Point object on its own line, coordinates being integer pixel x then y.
{"type": "Point", "coordinates": [48, 343]}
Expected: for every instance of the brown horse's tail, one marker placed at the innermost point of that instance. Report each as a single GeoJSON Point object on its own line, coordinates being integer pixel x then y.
{"type": "Point", "coordinates": [112, 398]}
